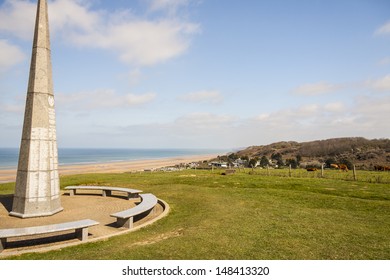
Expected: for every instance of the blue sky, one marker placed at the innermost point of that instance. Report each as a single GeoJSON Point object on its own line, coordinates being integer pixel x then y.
{"type": "Point", "coordinates": [203, 73]}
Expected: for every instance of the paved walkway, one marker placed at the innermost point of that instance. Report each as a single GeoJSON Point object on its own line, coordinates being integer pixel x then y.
{"type": "Point", "coordinates": [81, 206]}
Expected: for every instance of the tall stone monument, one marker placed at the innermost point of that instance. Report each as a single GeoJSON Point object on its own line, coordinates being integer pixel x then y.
{"type": "Point", "coordinates": [37, 191]}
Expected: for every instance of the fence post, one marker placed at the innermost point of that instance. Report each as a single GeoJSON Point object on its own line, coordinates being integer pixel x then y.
{"type": "Point", "coordinates": [267, 169]}
{"type": "Point", "coordinates": [322, 170]}
{"type": "Point", "coordinates": [354, 173]}
{"type": "Point", "coordinates": [289, 170]}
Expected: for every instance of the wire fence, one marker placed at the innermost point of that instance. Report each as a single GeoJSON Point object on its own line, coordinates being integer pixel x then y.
{"type": "Point", "coordinates": [351, 175]}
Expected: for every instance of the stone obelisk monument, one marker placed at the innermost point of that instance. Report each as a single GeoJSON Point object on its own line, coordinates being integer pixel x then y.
{"type": "Point", "coordinates": [37, 191]}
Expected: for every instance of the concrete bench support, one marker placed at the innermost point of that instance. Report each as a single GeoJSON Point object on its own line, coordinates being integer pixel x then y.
{"type": "Point", "coordinates": [125, 222]}
{"type": "Point", "coordinates": [3, 242]}
{"type": "Point", "coordinates": [80, 227]}
{"type": "Point", "coordinates": [82, 234]}
{"type": "Point", "coordinates": [126, 218]}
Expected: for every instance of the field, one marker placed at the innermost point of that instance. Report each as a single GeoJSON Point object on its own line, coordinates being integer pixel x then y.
{"type": "Point", "coordinates": [359, 175]}
{"type": "Point", "coordinates": [248, 215]}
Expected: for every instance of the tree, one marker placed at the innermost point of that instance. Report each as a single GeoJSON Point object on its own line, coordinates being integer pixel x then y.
{"type": "Point", "coordinates": [347, 162]}
{"type": "Point", "coordinates": [279, 159]}
{"type": "Point", "coordinates": [292, 162]}
{"type": "Point", "coordinates": [264, 161]}
{"type": "Point", "coordinates": [252, 163]}
{"type": "Point", "coordinates": [245, 158]}
{"type": "Point", "coordinates": [233, 156]}
{"type": "Point", "coordinates": [299, 159]}
{"type": "Point", "coordinates": [222, 158]}
{"type": "Point", "coordinates": [330, 161]}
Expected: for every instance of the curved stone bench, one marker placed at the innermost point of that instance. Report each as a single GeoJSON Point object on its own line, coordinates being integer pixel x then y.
{"type": "Point", "coordinates": [125, 218]}
{"type": "Point", "coordinates": [106, 190]}
{"type": "Point", "coordinates": [80, 227]}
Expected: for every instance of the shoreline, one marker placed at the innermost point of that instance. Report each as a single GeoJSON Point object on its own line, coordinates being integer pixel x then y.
{"type": "Point", "coordinates": [9, 175]}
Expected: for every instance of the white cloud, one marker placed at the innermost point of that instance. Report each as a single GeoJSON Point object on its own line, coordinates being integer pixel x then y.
{"type": "Point", "coordinates": [371, 114]}
{"type": "Point", "coordinates": [315, 89]}
{"type": "Point", "coordinates": [137, 40]}
{"type": "Point", "coordinates": [101, 99]}
{"type": "Point", "coordinates": [135, 100]}
{"type": "Point", "coordinates": [384, 29]}
{"type": "Point", "coordinates": [334, 107]}
{"type": "Point", "coordinates": [73, 16]}
{"type": "Point", "coordinates": [384, 61]}
{"type": "Point", "coordinates": [306, 116]}
{"type": "Point", "coordinates": [17, 18]}
{"type": "Point", "coordinates": [381, 84]}
{"type": "Point", "coordinates": [364, 117]}
{"type": "Point", "coordinates": [296, 114]}
{"type": "Point", "coordinates": [167, 5]}
{"type": "Point", "coordinates": [134, 76]}
{"type": "Point", "coordinates": [12, 108]}
{"type": "Point", "coordinates": [10, 55]}
{"type": "Point", "coordinates": [375, 108]}
{"type": "Point", "coordinates": [307, 110]}
{"type": "Point", "coordinates": [262, 117]}
{"type": "Point", "coordinates": [205, 96]}
{"type": "Point", "coordinates": [205, 118]}
{"type": "Point", "coordinates": [205, 121]}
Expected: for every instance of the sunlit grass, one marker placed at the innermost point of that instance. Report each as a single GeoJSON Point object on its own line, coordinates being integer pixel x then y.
{"type": "Point", "coordinates": [245, 216]}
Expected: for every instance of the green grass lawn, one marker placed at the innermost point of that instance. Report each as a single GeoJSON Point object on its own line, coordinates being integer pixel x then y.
{"type": "Point", "coordinates": [245, 216]}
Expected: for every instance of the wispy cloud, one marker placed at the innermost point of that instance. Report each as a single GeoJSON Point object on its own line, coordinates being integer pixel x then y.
{"type": "Point", "coordinates": [316, 89]}
{"type": "Point", "coordinates": [381, 84]}
{"type": "Point", "coordinates": [134, 38]}
{"type": "Point", "coordinates": [17, 18]}
{"type": "Point", "coordinates": [102, 99]}
{"type": "Point", "coordinates": [134, 76]}
{"type": "Point", "coordinates": [172, 6]}
{"type": "Point", "coordinates": [289, 117]}
{"type": "Point", "coordinates": [9, 55]}
{"type": "Point", "coordinates": [205, 96]}
{"type": "Point", "coordinates": [12, 108]}
{"type": "Point", "coordinates": [384, 61]}
{"type": "Point", "coordinates": [362, 117]}
{"type": "Point", "coordinates": [383, 30]}
{"type": "Point", "coordinates": [205, 120]}
{"type": "Point", "coordinates": [335, 107]}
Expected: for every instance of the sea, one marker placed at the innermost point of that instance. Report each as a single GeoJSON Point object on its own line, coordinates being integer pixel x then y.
{"type": "Point", "coordinates": [69, 156]}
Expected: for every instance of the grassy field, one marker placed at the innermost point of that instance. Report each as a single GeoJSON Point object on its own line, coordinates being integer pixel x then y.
{"type": "Point", "coordinates": [246, 216]}
{"type": "Point", "coordinates": [360, 175]}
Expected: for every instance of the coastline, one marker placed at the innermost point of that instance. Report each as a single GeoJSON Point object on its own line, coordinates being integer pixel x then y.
{"type": "Point", "coordinates": [9, 175]}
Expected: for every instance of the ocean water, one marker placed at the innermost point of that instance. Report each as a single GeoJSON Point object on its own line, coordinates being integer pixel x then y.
{"type": "Point", "coordinates": [9, 156]}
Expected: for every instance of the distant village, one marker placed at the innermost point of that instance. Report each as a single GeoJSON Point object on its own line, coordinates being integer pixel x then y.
{"type": "Point", "coordinates": [221, 162]}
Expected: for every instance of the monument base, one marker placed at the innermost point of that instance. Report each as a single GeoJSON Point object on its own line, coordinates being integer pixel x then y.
{"type": "Point", "coordinates": [38, 207]}
{"type": "Point", "coordinates": [34, 215]}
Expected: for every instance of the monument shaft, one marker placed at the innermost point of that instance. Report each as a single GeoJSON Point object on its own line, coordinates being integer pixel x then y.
{"type": "Point", "coordinates": [37, 191]}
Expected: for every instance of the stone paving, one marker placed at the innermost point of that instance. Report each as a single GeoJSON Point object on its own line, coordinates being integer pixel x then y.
{"type": "Point", "coordinates": [82, 206]}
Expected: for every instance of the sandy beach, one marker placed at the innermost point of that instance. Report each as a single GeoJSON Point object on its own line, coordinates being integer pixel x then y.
{"type": "Point", "coordinates": [114, 167]}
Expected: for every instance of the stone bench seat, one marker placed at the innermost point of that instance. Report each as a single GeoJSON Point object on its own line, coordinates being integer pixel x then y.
{"type": "Point", "coordinates": [125, 218]}
{"type": "Point", "coordinates": [106, 190]}
{"type": "Point", "coordinates": [80, 227]}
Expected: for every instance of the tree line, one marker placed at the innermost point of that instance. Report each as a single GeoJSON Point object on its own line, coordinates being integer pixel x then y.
{"type": "Point", "coordinates": [277, 160]}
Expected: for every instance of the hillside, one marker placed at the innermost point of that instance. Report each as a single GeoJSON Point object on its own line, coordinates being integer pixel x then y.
{"type": "Point", "coordinates": [364, 153]}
